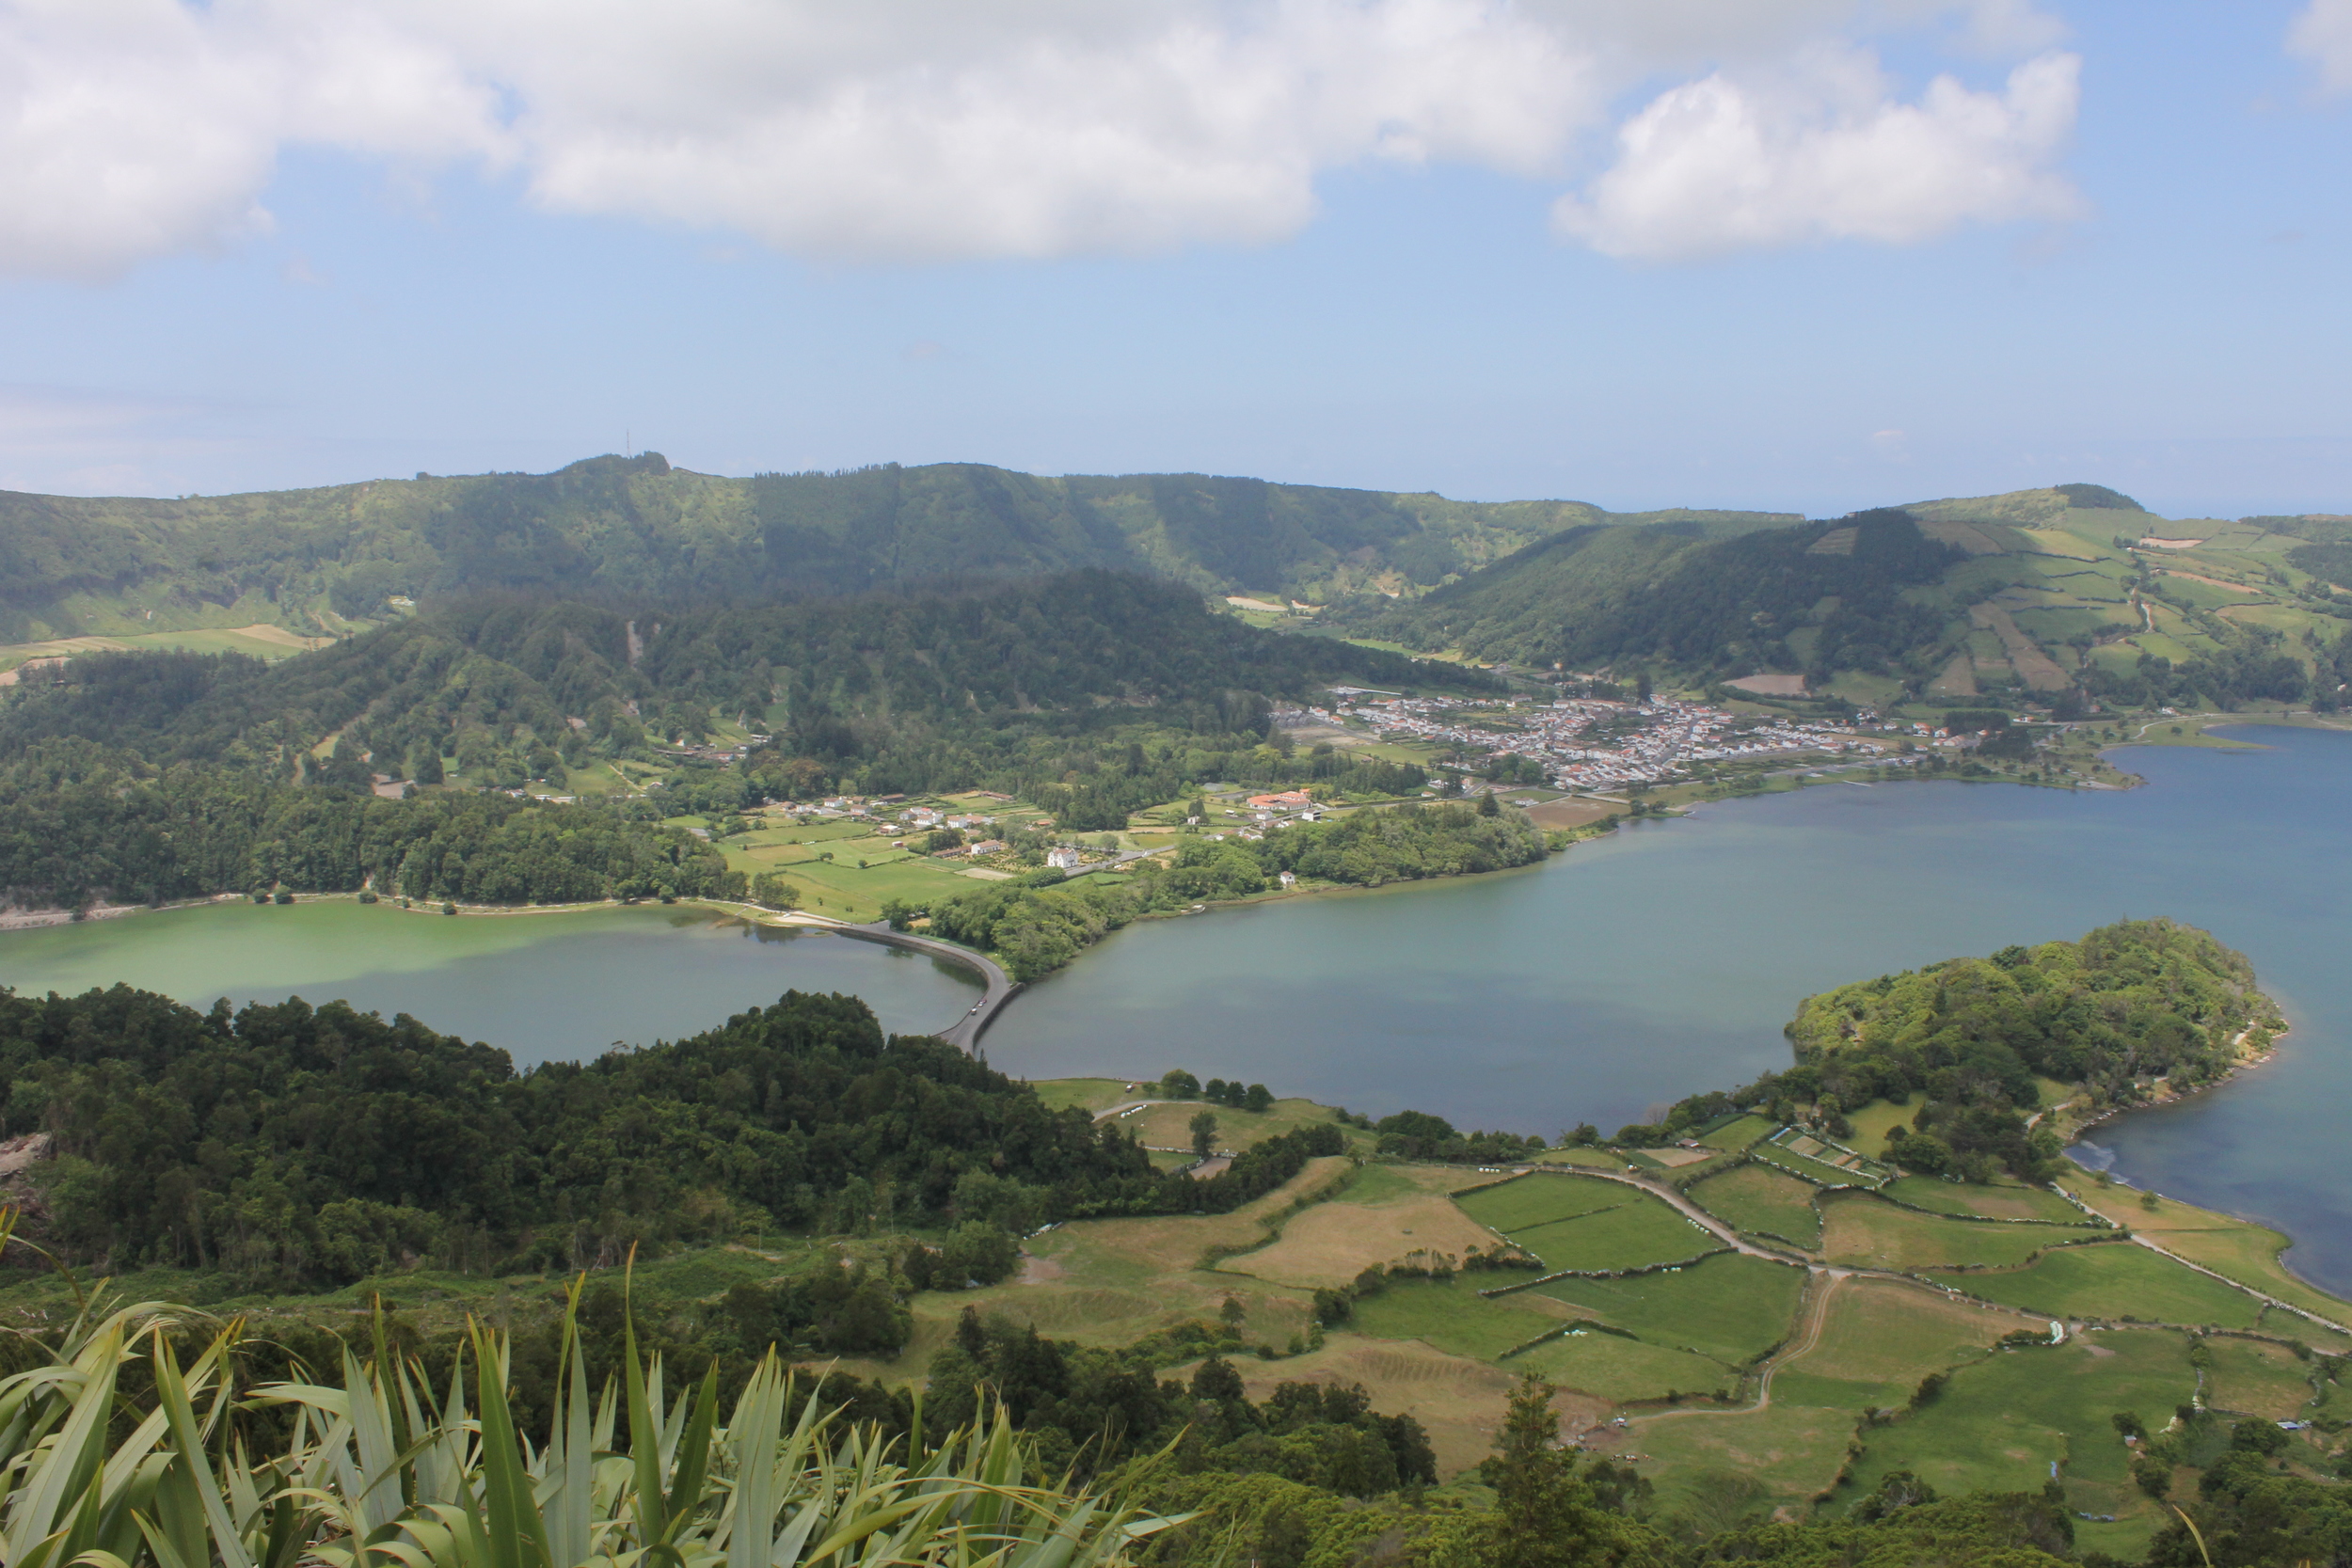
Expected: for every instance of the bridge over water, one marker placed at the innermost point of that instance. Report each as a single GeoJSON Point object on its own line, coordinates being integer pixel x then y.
{"type": "Point", "coordinates": [999, 986]}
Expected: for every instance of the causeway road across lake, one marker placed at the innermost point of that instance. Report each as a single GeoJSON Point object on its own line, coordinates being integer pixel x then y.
{"type": "Point", "coordinates": [965, 1032]}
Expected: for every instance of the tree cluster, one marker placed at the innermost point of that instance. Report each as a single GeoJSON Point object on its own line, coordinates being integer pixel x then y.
{"type": "Point", "coordinates": [80, 821]}
{"type": "Point", "coordinates": [286, 1145]}
{"type": "Point", "coordinates": [1036, 929]}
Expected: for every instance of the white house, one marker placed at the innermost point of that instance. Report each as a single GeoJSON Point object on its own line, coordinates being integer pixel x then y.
{"type": "Point", "coordinates": [1063, 858]}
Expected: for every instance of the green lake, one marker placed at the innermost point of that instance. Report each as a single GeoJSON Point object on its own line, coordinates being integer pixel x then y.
{"type": "Point", "coordinates": [1619, 977]}
{"type": "Point", "coordinates": [557, 986]}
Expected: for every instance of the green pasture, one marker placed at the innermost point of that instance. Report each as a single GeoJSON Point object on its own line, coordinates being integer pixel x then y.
{"type": "Point", "coordinates": [2249, 1254]}
{"type": "Point", "coordinates": [1877, 691]}
{"type": "Point", "coordinates": [1452, 1316]}
{"type": "Point", "coordinates": [1642, 1232]}
{"type": "Point", "coordinates": [1756, 1198]}
{"type": "Point", "coordinates": [1879, 1338]}
{"type": "Point", "coordinates": [2114, 1281]}
{"type": "Point", "coordinates": [2000, 1201]}
{"type": "Point", "coordinates": [1622, 1369]}
{"type": "Point", "coordinates": [1532, 1200]}
{"type": "Point", "coordinates": [1735, 1467]}
{"type": "Point", "coordinates": [1998, 1425]}
{"type": "Point", "coordinates": [1170, 1123]}
{"type": "Point", "coordinates": [1872, 1123]}
{"type": "Point", "coordinates": [1861, 1230]}
{"type": "Point", "coordinates": [2251, 1378]}
{"type": "Point", "coordinates": [218, 642]}
{"type": "Point", "coordinates": [1381, 1183]}
{"type": "Point", "coordinates": [2052, 624]}
{"type": "Point", "coordinates": [2288, 619]}
{"type": "Point", "coordinates": [1731, 1308]}
{"type": "Point", "coordinates": [1086, 1094]}
{"type": "Point", "coordinates": [841, 888]}
{"type": "Point", "coordinates": [1585, 1159]}
{"type": "Point", "coordinates": [1734, 1136]}
{"type": "Point", "coordinates": [2204, 596]}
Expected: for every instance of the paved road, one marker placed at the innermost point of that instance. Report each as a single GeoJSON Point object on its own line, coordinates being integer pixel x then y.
{"type": "Point", "coordinates": [965, 1031]}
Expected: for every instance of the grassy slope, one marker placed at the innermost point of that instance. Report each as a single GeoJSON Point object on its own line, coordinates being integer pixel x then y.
{"type": "Point", "coordinates": [2000, 1423]}
{"type": "Point", "coordinates": [2053, 570]}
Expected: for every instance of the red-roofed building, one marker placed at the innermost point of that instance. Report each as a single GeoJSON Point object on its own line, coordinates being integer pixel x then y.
{"type": "Point", "coordinates": [1275, 803]}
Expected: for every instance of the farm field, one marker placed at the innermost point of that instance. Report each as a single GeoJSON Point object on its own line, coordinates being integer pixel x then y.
{"type": "Point", "coordinates": [1532, 1200]}
{"type": "Point", "coordinates": [1762, 1202]}
{"type": "Point", "coordinates": [1862, 1231]}
{"type": "Point", "coordinates": [2114, 1281]}
{"type": "Point", "coordinates": [2247, 1252]}
{"type": "Point", "coordinates": [1735, 1464]}
{"type": "Point", "coordinates": [1872, 1123]}
{"type": "Point", "coordinates": [1734, 1136]}
{"type": "Point", "coordinates": [1642, 1232]}
{"type": "Point", "coordinates": [1622, 1369]}
{"type": "Point", "coordinates": [1112, 1282]}
{"type": "Point", "coordinates": [1086, 1094]}
{"type": "Point", "coordinates": [1451, 1315]}
{"type": "Point", "coordinates": [1733, 1309]}
{"type": "Point", "coordinates": [1169, 1125]}
{"type": "Point", "coordinates": [2251, 1378]}
{"type": "Point", "coordinates": [258, 641]}
{"type": "Point", "coordinates": [1880, 1337]}
{"type": "Point", "coordinates": [1459, 1402]}
{"type": "Point", "coordinates": [1999, 1202]}
{"type": "Point", "coordinates": [1383, 1214]}
{"type": "Point", "coordinates": [2001, 1423]}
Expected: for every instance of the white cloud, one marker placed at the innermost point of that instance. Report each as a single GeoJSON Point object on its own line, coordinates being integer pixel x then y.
{"type": "Point", "coordinates": [1826, 152]}
{"type": "Point", "coordinates": [891, 129]}
{"type": "Point", "coordinates": [2323, 34]}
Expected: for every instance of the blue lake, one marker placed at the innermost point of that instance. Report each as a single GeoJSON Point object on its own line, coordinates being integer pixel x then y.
{"type": "Point", "coordinates": [1666, 960]}
{"type": "Point", "coordinates": [1617, 978]}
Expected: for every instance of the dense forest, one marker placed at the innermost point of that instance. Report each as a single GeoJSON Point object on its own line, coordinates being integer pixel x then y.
{"type": "Point", "coordinates": [81, 822]}
{"type": "Point", "coordinates": [635, 528]}
{"type": "Point", "coordinates": [1038, 926]}
{"type": "Point", "coordinates": [158, 775]}
{"type": "Point", "coordinates": [2128, 1004]}
{"type": "Point", "coordinates": [286, 1145]}
{"type": "Point", "coordinates": [1684, 600]}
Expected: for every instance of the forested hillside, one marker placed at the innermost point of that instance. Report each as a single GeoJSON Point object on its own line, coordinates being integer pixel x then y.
{"type": "Point", "coordinates": [630, 529]}
{"type": "Point", "coordinates": [1966, 1040]}
{"type": "Point", "coordinates": [288, 1146]}
{"type": "Point", "coordinates": [146, 776]}
{"type": "Point", "coordinates": [1687, 602]}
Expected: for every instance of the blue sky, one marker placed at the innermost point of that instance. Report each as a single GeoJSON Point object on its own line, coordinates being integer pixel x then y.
{"type": "Point", "coordinates": [1744, 253]}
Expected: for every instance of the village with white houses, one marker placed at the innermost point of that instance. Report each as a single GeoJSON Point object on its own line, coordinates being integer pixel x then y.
{"type": "Point", "coordinates": [1590, 743]}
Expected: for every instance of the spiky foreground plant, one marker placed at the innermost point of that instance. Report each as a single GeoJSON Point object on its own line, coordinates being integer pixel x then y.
{"type": "Point", "coordinates": [375, 1474]}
